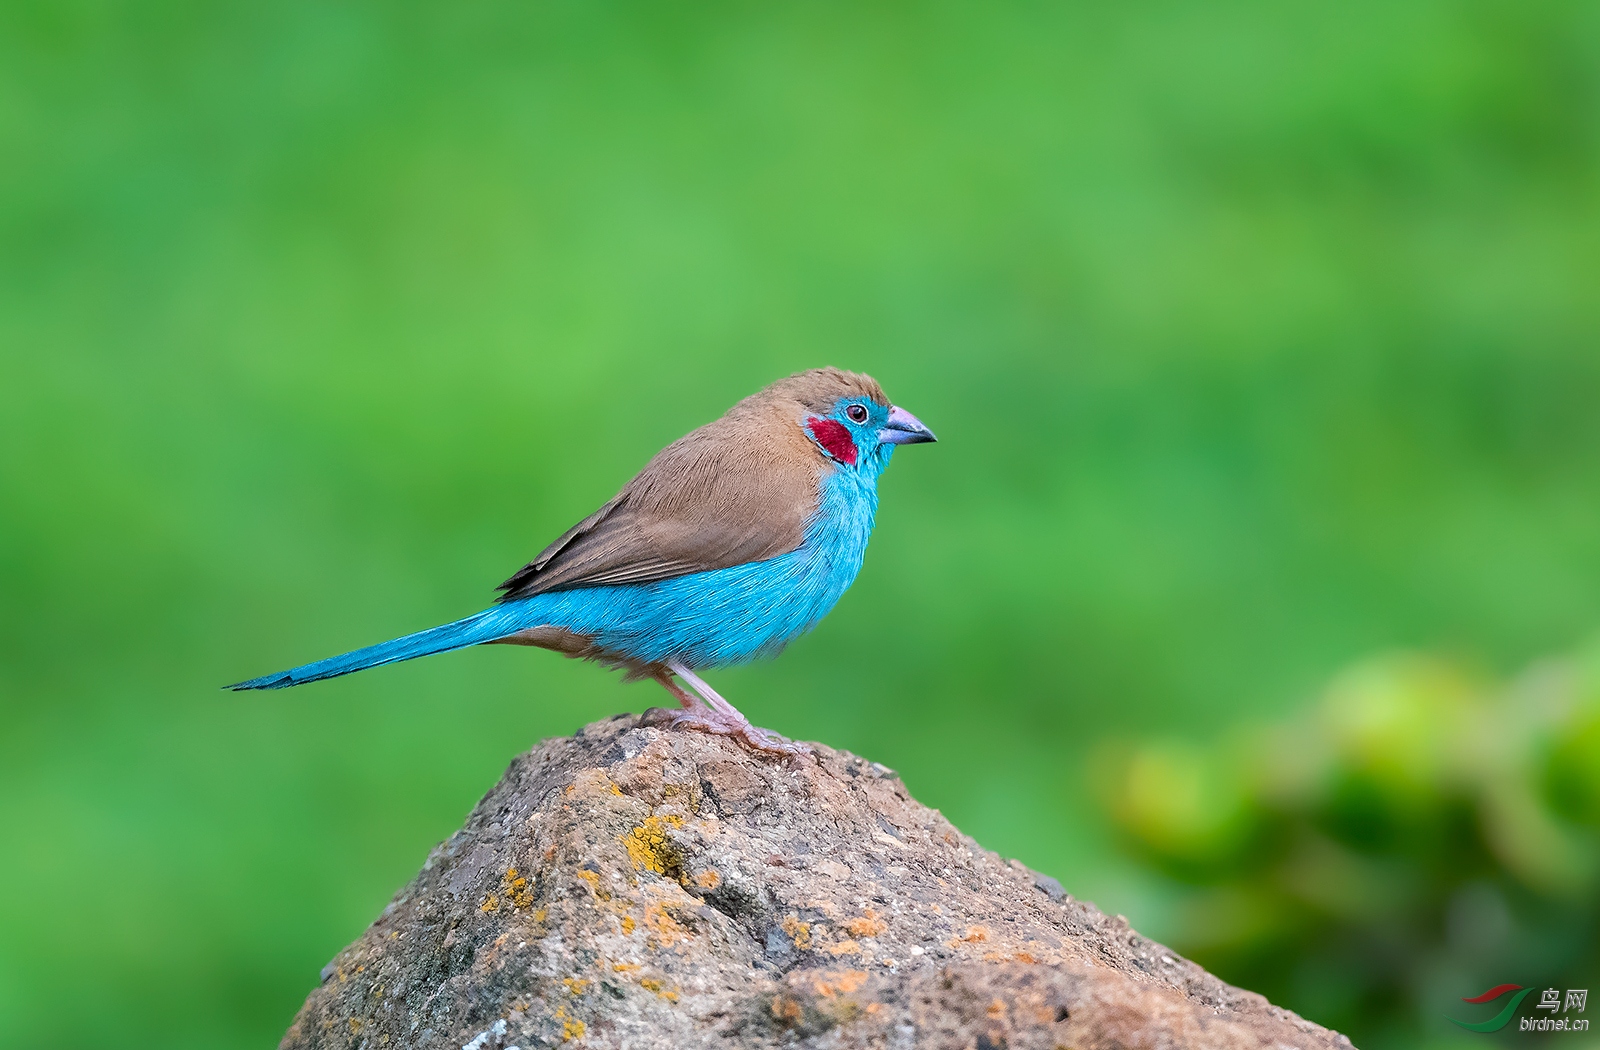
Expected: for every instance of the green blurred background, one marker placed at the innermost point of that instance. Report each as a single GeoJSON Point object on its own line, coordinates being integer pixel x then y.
{"type": "Point", "coordinates": [1260, 339]}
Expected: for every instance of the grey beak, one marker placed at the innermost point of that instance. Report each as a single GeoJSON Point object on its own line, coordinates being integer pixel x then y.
{"type": "Point", "coordinates": [904, 428]}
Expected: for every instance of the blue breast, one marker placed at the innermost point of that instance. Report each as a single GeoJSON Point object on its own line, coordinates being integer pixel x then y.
{"type": "Point", "coordinates": [727, 616]}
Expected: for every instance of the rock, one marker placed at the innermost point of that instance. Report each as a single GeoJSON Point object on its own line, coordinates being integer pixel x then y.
{"type": "Point", "coordinates": [640, 888]}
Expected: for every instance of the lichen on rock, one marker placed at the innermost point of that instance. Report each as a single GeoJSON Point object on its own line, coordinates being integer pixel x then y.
{"type": "Point", "coordinates": [635, 886]}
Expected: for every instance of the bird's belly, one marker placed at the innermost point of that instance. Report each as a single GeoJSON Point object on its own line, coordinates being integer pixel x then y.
{"type": "Point", "coordinates": [707, 619]}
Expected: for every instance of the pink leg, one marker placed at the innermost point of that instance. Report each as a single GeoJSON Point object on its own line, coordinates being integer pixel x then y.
{"type": "Point", "coordinates": [687, 699]}
{"type": "Point", "coordinates": [721, 717]}
{"type": "Point", "coordinates": [712, 698]}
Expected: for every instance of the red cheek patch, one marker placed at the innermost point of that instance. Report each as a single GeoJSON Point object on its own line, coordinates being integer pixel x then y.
{"type": "Point", "coordinates": [832, 435]}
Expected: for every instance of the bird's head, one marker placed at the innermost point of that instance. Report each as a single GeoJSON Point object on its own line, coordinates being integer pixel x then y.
{"type": "Point", "coordinates": [849, 418]}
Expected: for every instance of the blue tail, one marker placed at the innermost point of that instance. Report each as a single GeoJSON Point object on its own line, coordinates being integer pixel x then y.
{"type": "Point", "coordinates": [486, 626]}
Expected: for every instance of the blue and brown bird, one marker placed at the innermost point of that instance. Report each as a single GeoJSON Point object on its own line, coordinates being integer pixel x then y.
{"type": "Point", "coordinates": [732, 541]}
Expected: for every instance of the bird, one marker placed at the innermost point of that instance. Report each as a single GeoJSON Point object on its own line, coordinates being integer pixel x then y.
{"type": "Point", "coordinates": [732, 541]}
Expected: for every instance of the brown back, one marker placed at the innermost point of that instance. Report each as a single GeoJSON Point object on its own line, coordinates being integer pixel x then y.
{"type": "Point", "coordinates": [739, 489]}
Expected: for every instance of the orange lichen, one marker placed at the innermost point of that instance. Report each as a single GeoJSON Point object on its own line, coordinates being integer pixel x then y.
{"type": "Point", "coordinates": [664, 927]}
{"type": "Point", "coordinates": [518, 890]}
{"type": "Point", "coordinates": [786, 1009]}
{"type": "Point", "coordinates": [628, 925]}
{"type": "Point", "coordinates": [1008, 957]}
{"type": "Point", "coordinates": [624, 967]}
{"type": "Point", "coordinates": [571, 1027]}
{"type": "Point", "coordinates": [659, 987]}
{"type": "Point", "coordinates": [575, 985]}
{"type": "Point", "coordinates": [869, 925]}
{"type": "Point", "coordinates": [799, 932]}
{"type": "Point", "coordinates": [593, 879]}
{"type": "Point", "coordinates": [649, 847]}
{"type": "Point", "coordinates": [490, 903]}
{"type": "Point", "coordinates": [708, 879]}
{"type": "Point", "coordinates": [974, 935]}
{"type": "Point", "coordinates": [830, 983]}
{"type": "Point", "coordinates": [843, 948]}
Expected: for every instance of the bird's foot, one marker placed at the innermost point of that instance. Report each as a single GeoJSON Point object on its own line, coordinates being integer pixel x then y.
{"type": "Point", "coordinates": [705, 711]}
{"type": "Point", "coordinates": [738, 727]}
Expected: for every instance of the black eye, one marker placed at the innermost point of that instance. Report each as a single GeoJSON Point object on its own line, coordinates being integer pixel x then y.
{"type": "Point", "coordinates": [857, 413]}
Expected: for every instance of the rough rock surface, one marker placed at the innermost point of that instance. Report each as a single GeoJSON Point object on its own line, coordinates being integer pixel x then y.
{"type": "Point", "coordinates": [638, 887]}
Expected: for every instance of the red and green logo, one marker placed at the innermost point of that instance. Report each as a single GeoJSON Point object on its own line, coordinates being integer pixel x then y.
{"type": "Point", "coordinates": [1501, 1019]}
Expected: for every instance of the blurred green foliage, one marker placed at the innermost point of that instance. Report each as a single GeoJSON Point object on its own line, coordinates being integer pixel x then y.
{"type": "Point", "coordinates": [1259, 338]}
{"type": "Point", "coordinates": [1421, 835]}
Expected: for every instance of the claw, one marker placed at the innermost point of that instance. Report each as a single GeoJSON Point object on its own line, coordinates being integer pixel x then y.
{"type": "Point", "coordinates": [713, 714]}
{"type": "Point", "coordinates": [720, 725]}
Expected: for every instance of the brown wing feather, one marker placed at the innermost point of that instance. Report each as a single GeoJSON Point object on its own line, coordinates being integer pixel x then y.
{"type": "Point", "coordinates": [738, 489]}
